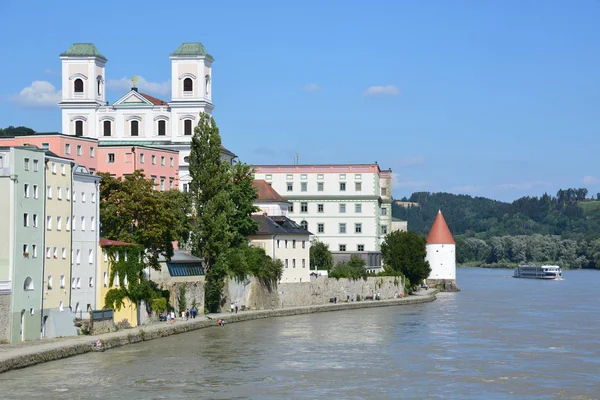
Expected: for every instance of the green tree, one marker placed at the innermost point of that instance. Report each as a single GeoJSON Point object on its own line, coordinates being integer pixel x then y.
{"type": "Point", "coordinates": [210, 190]}
{"type": "Point", "coordinates": [16, 131]}
{"type": "Point", "coordinates": [243, 194]}
{"type": "Point", "coordinates": [132, 211]}
{"type": "Point", "coordinates": [159, 305]}
{"type": "Point", "coordinates": [181, 300]}
{"type": "Point", "coordinates": [405, 252]}
{"type": "Point", "coordinates": [320, 256]}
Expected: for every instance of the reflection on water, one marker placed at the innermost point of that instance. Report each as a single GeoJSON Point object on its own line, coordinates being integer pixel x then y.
{"type": "Point", "coordinates": [500, 337]}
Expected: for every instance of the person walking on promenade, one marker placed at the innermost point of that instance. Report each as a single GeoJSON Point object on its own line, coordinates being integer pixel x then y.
{"type": "Point", "coordinates": [187, 314]}
{"type": "Point", "coordinates": [237, 305]}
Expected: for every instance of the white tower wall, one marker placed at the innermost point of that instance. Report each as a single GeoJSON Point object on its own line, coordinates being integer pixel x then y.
{"type": "Point", "coordinates": [442, 260]}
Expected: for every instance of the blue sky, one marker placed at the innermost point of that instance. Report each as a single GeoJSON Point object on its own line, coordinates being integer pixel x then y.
{"type": "Point", "coordinates": [490, 98]}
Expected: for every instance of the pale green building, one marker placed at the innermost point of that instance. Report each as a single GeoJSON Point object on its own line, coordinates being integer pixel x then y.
{"type": "Point", "coordinates": [22, 184]}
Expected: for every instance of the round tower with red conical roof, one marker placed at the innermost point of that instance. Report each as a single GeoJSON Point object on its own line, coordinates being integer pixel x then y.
{"type": "Point", "coordinates": [441, 254]}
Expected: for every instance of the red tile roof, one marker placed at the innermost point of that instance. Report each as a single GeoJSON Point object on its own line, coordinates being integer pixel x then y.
{"type": "Point", "coordinates": [107, 242]}
{"type": "Point", "coordinates": [266, 193]}
{"type": "Point", "coordinates": [153, 100]}
{"type": "Point", "coordinates": [439, 232]}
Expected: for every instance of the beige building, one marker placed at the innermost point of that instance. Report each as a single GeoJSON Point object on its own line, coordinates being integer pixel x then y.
{"type": "Point", "coordinates": [57, 319]}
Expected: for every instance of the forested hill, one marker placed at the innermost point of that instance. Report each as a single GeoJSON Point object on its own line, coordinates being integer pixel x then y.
{"type": "Point", "coordinates": [568, 214]}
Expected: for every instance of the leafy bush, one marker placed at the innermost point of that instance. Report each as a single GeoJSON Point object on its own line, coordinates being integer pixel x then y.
{"type": "Point", "coordinates": [352, 269]}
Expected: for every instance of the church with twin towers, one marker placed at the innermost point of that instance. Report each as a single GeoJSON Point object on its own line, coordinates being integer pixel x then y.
{"type": "Point", "coordinates": [136, 118]}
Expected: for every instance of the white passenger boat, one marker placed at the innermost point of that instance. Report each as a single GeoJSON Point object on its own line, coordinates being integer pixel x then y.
{"type": "Point", "coordinates": [538, 272]}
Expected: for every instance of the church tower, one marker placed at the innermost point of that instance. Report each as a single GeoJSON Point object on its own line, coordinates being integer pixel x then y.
{"type": "Point", "coordinates": [83, 91]}
{"type": "Point", "coordinates": [441, 254]}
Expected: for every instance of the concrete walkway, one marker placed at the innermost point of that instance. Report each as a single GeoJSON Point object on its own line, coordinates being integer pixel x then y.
{"type": "Point", "coordinates": [20, 355]}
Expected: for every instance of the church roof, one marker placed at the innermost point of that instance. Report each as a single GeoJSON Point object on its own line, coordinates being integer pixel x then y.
{"type": "Point", "coordinates": [266, 194]}
{"type": "Point", "coordinates": [439, 232]}
{"type": "Point", "coordinates": [153, 100]}
{"type": "Point", "coordinates": [83, 50]}
{"type": "Point", "coordinates": [190, 49]}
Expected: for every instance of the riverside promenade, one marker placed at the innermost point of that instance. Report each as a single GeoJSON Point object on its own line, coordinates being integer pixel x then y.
{"type": "Point", "coordinates": [21, 355]}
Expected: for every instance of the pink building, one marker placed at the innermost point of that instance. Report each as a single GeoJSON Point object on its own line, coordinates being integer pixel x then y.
{"type": "Point", "coordinates": [82, 151]}
{"type": "Point", "coordinates": [160, 165]}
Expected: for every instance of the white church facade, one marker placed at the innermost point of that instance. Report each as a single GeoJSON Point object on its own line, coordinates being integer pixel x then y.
{"type": "Point", "coordinates": [138, 118]}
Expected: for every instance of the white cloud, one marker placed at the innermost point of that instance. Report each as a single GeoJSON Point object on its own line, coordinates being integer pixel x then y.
{"type": "Point", "coordinates": [159, 88]}
{"type": "Point", "coordinates": [38, 94]}
{"type": "Point", "coordinates": [522, 185]}
{"type": "Point", "coordinates": [411, 161]}
{"type": "Point", "coordinates": [590, 180]}
{"type": "Point", "coordinates": [311, 87]}
{"type": "Point", "coordinates": [378, 91]}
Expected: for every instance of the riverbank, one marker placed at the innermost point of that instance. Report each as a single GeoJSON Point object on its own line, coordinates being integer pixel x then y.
{"type": "Point", "coordinates": [21, 355]}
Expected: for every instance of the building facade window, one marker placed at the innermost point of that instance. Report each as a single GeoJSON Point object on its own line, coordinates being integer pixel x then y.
{"type": "Point", "coordinates": [26, 190]}
{"type": "Point", "coordinates": [35, 165]}
{"type": "Point", "coordinates": [79, 150]}
{"type": "Point", "coordinates": [342, 247]}
{"type": "Point", "coordinates": [162, 160]}
{"type": "Point", "coordinates": [304, 207]}
{"type": "Point", "coordinates": [188, 85]}
{"type": "Point", "coordinates": [304, 225]}
{"type": "Point", "coordinates": [320, 186]}
{"type": "Point", "coordinates": [358, 186]}
{"type": "Point", "coordinates": [78, 128]}
{"type": "Point", "coordinates": [342, 208]}
{"type": "Point", "coordinates": [67, 148]}
{"type": "Point", "coordinates": [35, 220]}
{"type": "Point", "coordinates": [35, 191]}
{"type": "Point", "coordinates": [360, 247]}
{"type": "Point", "coordinates": [320, 228]}
{"type": "Point", "coordinates": [153, 159]}
{"type": "Point", "coordinates": [342, 227]}
{"type": "Point", "coordinates": [162, 128]}
{"type": "Point", "coordinates": [383, 210]}
{"type": "Point", "coordinates": [290, 186]}
{"type": "Point", "coordinates": [342, 186]}
{"type": "Point", "coordinates": [291, 207]}
{"type": "Point", "coordinates": [134, 128]}
{"type": "Point", "coordinates": [358, 208]}
{"type": "Point", "coordinates": [320, 208]}
{"type": "Point", "coordinates": [384, 191]}
{"type": "Point", "coordinates": [141, 158]}
{"type": "Point", "coordinates": [111, 159]}
{"type": "Point", "coordinates": [187, 127]}
{"type": "Point", "coordinates": [358, 228]}
{"type": "Point", "coordinates": [384, 230]}
{"type": "Point", "coordinates": [26, 219]}
{"type": "Point", "coordinates": [107, 128]}
{"type": "Point", "coordinates": [303, 186]}
{"type": "Point", "coordinates": [26, 164]}
{"type": "Point", "coordinates": [78, 86]}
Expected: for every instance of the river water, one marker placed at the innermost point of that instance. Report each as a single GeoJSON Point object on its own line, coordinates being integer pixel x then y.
{"type": "Point", "coordinates": [499, 338]}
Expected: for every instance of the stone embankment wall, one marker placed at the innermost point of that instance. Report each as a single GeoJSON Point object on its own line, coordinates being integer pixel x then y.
{"type": "Point", "coordinates": [193, 291]}
{"type": "Point", "coordinates": [320, 290]}
{"type": "Point", "coordinates": [443, 285]}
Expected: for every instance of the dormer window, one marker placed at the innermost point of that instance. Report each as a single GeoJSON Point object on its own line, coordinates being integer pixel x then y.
{"type": "Point", "coordinates": [135, 128]}
{"type": "Point", "coordinates": [187, 127]}
{"type": "Point", "coordinates": [188, 85]}
{"type": "Point", "coordinates": [78, 128]}
{"type": "Point", "coordinates": [78, 86]}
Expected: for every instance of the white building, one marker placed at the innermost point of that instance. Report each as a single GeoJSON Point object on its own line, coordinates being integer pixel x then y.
{"type": "Point", "coordinates": [347, 207]}
{"type": "Point", "coordinates": [441, 253]}
{"type": "Point", "coordinates": [138, 118]}
{"type": "Point", "coordinates": [86, 207]}
{"type": "Point", "coordinates": [279, 236]}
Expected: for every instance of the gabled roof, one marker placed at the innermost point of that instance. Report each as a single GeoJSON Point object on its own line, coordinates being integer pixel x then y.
{"type": "Point", "coordinates": [107, 242]}
{"type": "Point", "coordinates": [266, 194]}
{"type": "Point", "coordinates": [153, 100]}
{"type": "Point", "coordinates": [83, 50]}
{"type": "Point", "coordinates": [278, 226]}
{"type": "Point", "coordinates": [439, 232]}
{"type": "Point", "coordinates": [190, 49]}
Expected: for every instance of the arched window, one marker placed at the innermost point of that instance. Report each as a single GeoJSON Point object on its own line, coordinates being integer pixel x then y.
{"type": "Point", "coordinates": [107, 128]}
{"type": "Point", "coordinates": [28, 284]}
{"type": "Point", "coordinates": [207, 84]}
{"type": "Point", "coordinates": [135, 128]}
{"type": "Point", "coordinates": [99, 83]}
{"type": "Point", "coordinates": [304, 225]}
{"type": "Point", "coordinates": [188, 85]}
{"type": "Point", "coordinates": [187, 127]}
{"type": "Point", "coordinates": [78, 85]}
{"type": "Point", "coordinates": [78, 128]}
{"type": "Point", "coordinates": [162, 128]}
